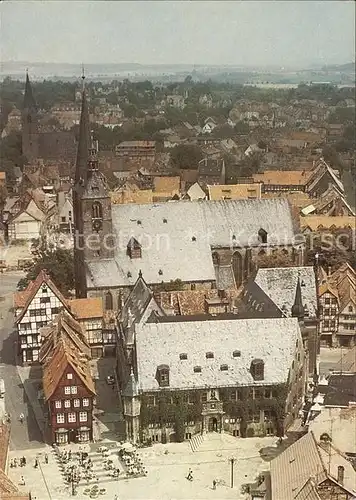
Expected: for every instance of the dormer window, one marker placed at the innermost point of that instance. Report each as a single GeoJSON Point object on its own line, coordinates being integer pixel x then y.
{"type": "Point", "coordinates": [197, 369]}
{"type": "Point", "coordinates": [160, 272]}
{"type": "Point", "coordinates": [224, 368]}
{"type": "Point", "coordinates": [262, 236]}
{"type": "Point", "coordinates": [257, 369]}
{"type": "Point", "coordinates": [162, 375]}
{"type": "Point", "coordinates": [44, 289]}
{"type": "Point", "coordinates": [209, 355]}
{"type": "Point", "coordinates": [183, 355]}
{"type": "Point", "coordinates": [194, 238]}
{"type": "Point", "coordinates": [165, 221]}
{"type": "Point", "coordinates": [134, 249]}
{"type": "Point", "coordinates": [236, 354]}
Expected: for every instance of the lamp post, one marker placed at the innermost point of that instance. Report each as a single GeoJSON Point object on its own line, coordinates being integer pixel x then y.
{"type": "Point", "coordinates": [232, 461]}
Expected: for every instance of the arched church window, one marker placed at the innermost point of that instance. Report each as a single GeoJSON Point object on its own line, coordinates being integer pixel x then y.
{"type": "Point", "coordinates": [97, 210]}
{"type": "Point", "coordinates": [108, 301]}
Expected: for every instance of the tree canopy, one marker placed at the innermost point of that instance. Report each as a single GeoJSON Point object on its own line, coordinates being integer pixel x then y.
{"type": "Point", "coordinates": [186, 156]}
{"type": "Point", "coordinates": [58, 263]}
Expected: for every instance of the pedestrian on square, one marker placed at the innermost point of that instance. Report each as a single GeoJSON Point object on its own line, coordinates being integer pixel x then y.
{"type": "Point", "coordinates": [46, 458]}
{"type": "Point", "coordinates": [15, 462]}
{"type": "Point", "coordinates": [190, 475]}
{"type": "Point", "coordinates": [24, 460]}
{"type": "Point", "coordinates": [36, 463]}
{"type": "Point", "coordinates": [22, 417]}
{"type": "Point", "coordinates": [22, 481]}
{"type": "Point", "coordinates": [214, 484]}
{"type": "Point", "coordinates": [116, 497]}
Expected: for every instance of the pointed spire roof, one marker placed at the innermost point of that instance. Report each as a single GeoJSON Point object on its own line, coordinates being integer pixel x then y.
{"type": "Point", "coordinates": [298, 308]}
{"type": "Point", "coordinates": [131, 389]}
{"type": "Point", "coordinates": [83, 144]}
{"type": "Point", "coordinates": [29, 100]}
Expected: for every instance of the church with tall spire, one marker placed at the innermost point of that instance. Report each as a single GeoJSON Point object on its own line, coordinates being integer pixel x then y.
{"type": "Point", "coordinates": [40, 142]}
{"type": "Point", "coordinates": [30, 136]}
{"type": "Point", "coordinates": [91, 206]}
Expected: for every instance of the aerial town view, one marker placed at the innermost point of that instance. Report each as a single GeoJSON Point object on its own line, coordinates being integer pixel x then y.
{"type": "Point", "coordinates": [177, 250]}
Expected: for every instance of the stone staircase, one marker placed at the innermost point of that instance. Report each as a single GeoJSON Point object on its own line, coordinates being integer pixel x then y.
{"type": "Point", "coordinates": [196, 441]}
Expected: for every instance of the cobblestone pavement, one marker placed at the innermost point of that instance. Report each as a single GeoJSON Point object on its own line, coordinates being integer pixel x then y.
{"type": "Point", "coordinates": [167, 467]}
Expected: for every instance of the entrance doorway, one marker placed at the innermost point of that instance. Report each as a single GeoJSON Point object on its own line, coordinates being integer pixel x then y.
{"type": "Point", "coordinates": [72, 436]}
{"type": "Point", "coordinates": [213, 424]}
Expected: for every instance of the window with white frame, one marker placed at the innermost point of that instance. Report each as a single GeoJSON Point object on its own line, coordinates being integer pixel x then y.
{"type": "Point", "coordinates": [58, 404]}
{"type": "Point", "coordinates": [83, 416]}
{"type": "Point", "coordinates": [67, 403]}
{"type": "Point", "coordinates": [69, 376]}
{"type": "Point", "coordinates": [76, 403]}
{"type": "Point", "coordinates": [60, 418]}
{"type": "Point", "coordinates": [72, 417]}
{"type": "Point", "coordinates": [67, 389]}
{"type": "Point", "coordinates": [85, 402]}
{"type": "Point", "coordinates": [74, 389]}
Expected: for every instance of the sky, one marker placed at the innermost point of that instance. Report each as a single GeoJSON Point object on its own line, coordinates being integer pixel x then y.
{"type": "Point", "coordinates": [282, 33]}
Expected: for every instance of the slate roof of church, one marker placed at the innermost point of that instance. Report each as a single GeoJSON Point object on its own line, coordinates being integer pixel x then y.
{"type": "Point", "coordinates": [272, 340]}
{"type": "Point", "coordinates": [177, 238]}
{"type": "Point", "coordinates": [280, 284]}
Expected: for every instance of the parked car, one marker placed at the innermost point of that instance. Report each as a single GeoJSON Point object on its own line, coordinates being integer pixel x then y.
{"type": "Point", "coordinates": [110, 380]}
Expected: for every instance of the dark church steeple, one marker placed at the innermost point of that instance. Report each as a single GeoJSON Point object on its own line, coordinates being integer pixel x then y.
{"type": "Point", "coordinates": [80, 178]}
{"type": "Point", "coordinates": [29, 102]}
{"type": "Point", "coordinates": [29, 123]}
{"type": "Point", "coordinates": [298, 308]}
{"type": "Point", "coordinates": [84, 145]}
{"type": "Point", "coordinates": [91, 206]}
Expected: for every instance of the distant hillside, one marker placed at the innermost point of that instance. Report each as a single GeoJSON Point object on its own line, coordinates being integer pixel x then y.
{"type": "Point", "coordinates": [348, 67]}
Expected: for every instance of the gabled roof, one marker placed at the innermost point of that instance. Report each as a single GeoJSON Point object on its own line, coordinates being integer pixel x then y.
{"type": "Point", "coordinates": [137, 302]}
{"type": "Point", "coordinates": [65, 354]}
{"type": "Point", "coordinates": [332, 195]}
{"type": "Point", "coordinates": [280, 284]}
{"type": "Point", "coordinates": [195, 192]}
{"type": "Point", "coordinates": [341, 389]}
{"type": "Point", "coordinates": [305, 460]}
{"type": "Point", "coordinates": [326, 287]}
{"type": "Point", "coordinates": [64, 327]}
{"type": "Point", "coordinates": [320, 170]}
{"type": "Point", "coordinates": [27, 295]}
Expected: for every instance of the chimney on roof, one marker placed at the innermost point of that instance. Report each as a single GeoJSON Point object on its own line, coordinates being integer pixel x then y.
{"type": "Point", "coordinates": [340, 474]}
{"type": "Point", "coordinates": [329, 270]}
{"type": "Point", "coordinates": [221, 293]}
